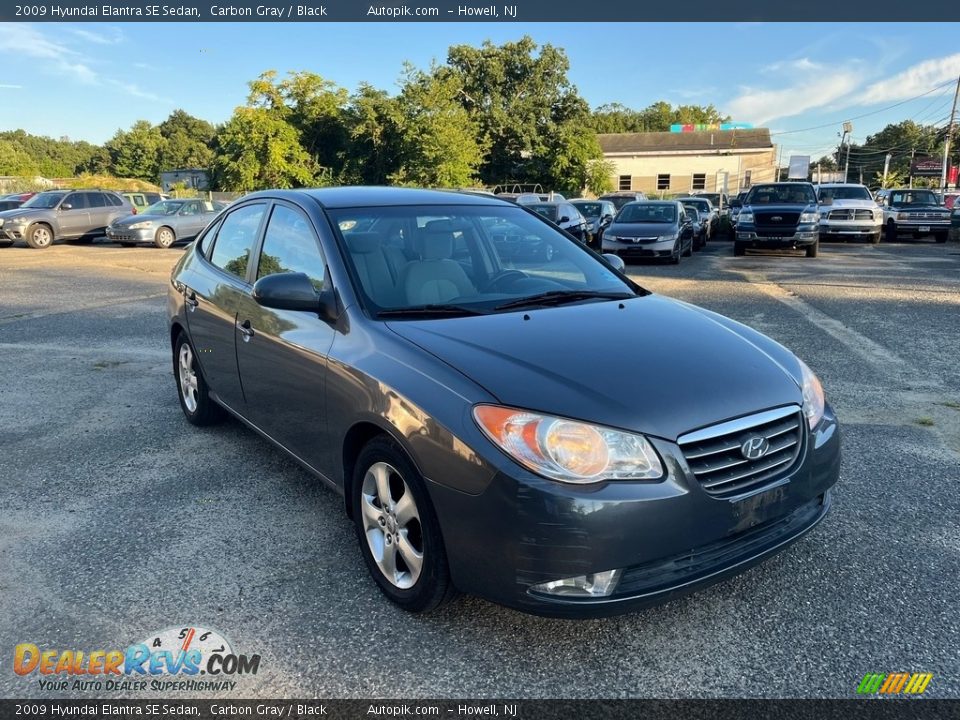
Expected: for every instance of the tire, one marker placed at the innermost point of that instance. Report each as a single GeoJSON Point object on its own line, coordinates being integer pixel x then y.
{"type": "Point", "coordinates": [196, 404]}
{"type": "Point", "coordinates": [164, 238]}
{"type": "Point", "coordinates": [6, 243]}
{"type": "Point", "coordinates": [813, 250]}
{"type": "Point", "coordinates": [875, 238]}
{"type": "Point", "coordinates": [689, 250]}
{"type": "Point", "coordinates": [891, 232]}
{"type": "Point", "coordinates": [675, 257]}
{"type": "Point", "coordinates": [128, 244]}
{"type": "Point", "coordinates": [392, 511]}
{"type": "Point", "coordinates": [941, 237]}
{"type": "Point", "coordinates": [40, 236]}
{"type": "Point", "coordinates": [738, 249]}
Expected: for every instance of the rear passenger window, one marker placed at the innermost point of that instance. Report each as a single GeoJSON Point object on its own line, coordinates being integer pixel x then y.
{"type": "Point", "coordinates": [95, 200]}
{"type": "Point", "coordinates": [235, 239]}
{"type": "Point", "coordinates": [289, 245]}
{"type": "Point", "coordinates": [77, 201]}
{"type": "Point", "coordinates": [113, 199]}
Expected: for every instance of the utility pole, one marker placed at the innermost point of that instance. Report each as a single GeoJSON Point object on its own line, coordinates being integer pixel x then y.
{"type": "Point", "coordinates": [946, 144]}
{"type": "Point", "coordinates": [779, 161]}
{"type": "Point", "coordinates": [886, 168]}
{"type": "Point", "coordinates": [847, 131]}
{"type": "Point", "coordinates": [913, 153]}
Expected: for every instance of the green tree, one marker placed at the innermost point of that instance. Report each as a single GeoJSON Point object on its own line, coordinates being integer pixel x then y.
{"type": "Point", "coordinates": [599, 178]}
{"type": "Point", "coordinates": [521, 98]}
{"type": "Point", "coordinates": [188, 142]}
{"type": "Point", "coordinates": [135, 153]}
{"type": "Point", "coordinates": [15, 161]}
{"type": "Point", "coordinates": [658, 117]}
{"type": "Point", "coordinates": [373, 151]}
{"type": "Point", "coordinates": [256, 149]}
{"type": "Point", "coordinates": [439, 145]}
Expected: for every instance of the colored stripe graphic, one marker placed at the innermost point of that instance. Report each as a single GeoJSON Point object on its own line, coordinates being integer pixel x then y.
{"type": "Point", "coordinates": [894, 683]}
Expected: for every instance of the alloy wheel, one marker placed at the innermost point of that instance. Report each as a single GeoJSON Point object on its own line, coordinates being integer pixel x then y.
{"type": "Point", "coordinates": [391, 523]}
{"type": "Point", "coordinates": [188, 378]}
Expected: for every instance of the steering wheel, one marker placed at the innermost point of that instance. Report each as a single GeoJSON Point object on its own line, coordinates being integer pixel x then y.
{"type": "Point", "coordinates": [499, 277]}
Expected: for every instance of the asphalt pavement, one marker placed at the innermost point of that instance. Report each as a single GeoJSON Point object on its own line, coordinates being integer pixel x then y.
{"type": "Point", "coordinates": [118, 519]}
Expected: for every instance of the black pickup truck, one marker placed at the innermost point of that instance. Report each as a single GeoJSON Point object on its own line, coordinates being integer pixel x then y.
{"type": "Point", "coordinates": [777, 216]}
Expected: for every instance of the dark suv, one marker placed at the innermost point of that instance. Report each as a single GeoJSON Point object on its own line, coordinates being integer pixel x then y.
{"type": "Point", "coordinates": [62, 215]}
{"type": "Point", "coordinates": [779, 216]}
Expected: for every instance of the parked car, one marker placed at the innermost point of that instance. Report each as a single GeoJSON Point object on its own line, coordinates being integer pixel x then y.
{"type": "Point", "coordinates": [650, 229]}
{"type": "Point", "coordinates": [719, 200]}
{"type": "Point", "coordinates": [621, 198]}
{"type": "Point", "coordinates": [736, 205]}
{"type": "Point", "coordinates": [701, 226]}
{"type": "Point", "coordinates": [778, 216]}
{"type": "Point", "coordinates": [847, 210]}
{"type": "Point", "coordinates": [917, 213]}
{"type": "Point", "coordinates": [520, 198]}
{"type": "Point", "coordinates": [565, 216]}
{"type": "Point", "coordinates": [599, 214]}
{"type": "Point", "coordinates": [164, 223]}
{"type": "Point", "coordinates": [950, 200]}
{"type": "Point", "coordinates": [474, 449]}
{"type": "Point", "coordinates": [10, 202]}
{"type": "Point", "coordinates": [705, 207]}
{"type": "Point", "coordinates": [78, 215]}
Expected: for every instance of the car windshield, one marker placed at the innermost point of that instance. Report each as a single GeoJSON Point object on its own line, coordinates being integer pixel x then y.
{"type": "Point", "coordinates": [703, 205]}
{"type": "Point", "coordinates": [914, 197]}
{"type": "Point", "coordinates": [548, 211]}
{"type": "Point", "coordinates": [647, 213]}
{"type": "Point", "coordinates": [45, 200]}
{"type": "Point", "coordinates": [692, 212]}
{"type": "Point", "coordinates": [854, 192]}
{"type": "Point", "coordinates": [620, 200]}
{"type": "Point", "coordinates": [714, 198]}
{"type": "Point", "coordinates": [786, 193]}
{"type": "Point", "coordinates": [589, 209]}
{"type": "Point", "coordinates": [413, 261]}
{"type": "Point", "coordinates": [164, 207]}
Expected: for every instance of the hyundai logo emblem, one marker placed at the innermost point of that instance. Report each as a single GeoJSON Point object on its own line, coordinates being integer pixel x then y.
{"type": "Point", "coordinates": [755, 448]}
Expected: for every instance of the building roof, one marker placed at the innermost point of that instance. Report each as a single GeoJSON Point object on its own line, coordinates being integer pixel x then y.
{"type": "Point", "coordinates": [665, 142]}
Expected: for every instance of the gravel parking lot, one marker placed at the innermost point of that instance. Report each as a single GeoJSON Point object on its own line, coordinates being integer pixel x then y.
{"type": "Point", "coordinates": [117, 518]}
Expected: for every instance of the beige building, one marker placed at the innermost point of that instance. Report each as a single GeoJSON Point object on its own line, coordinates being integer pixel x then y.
{"type": "Point", "coordinates": [708, 160]}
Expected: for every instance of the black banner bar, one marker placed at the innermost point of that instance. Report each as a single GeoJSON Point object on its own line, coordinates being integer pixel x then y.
{"type": "Point", "coordinates": [509, 11]}
{"type": "Point", "coordinates": [867, 709]}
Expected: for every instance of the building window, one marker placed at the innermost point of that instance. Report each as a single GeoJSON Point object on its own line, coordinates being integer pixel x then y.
{"type": "Point", "coordinates": [699, 181]}
{"type": "Point", "coordinates": [746, 178]}
{"type": "Point", "coordinates": [625, 182]}
{"type": "Point", "coordinates": [663, 182]}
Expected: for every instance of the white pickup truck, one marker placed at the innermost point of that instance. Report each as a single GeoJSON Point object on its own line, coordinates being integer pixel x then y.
{"type": "Point", "coordinates": [848, 210]}
{"type": "Point", "coordinates": [916, 212]}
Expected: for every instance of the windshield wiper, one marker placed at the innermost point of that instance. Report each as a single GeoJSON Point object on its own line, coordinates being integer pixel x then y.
{"type": "Point", "coordinates": [559, 297]}
{"type": "Point", "coordinates": [438, 309]}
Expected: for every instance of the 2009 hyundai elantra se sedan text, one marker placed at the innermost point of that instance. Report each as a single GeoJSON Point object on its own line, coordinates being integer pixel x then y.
{"type": "Point", "coordinates": [541, 432]}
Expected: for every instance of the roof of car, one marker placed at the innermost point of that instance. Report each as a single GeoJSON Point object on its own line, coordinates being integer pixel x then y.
{"type": "Point", "coordinates": [346, 197]}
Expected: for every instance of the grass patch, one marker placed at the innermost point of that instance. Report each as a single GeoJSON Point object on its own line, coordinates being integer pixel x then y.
{"type": "Point", "coordinates": [952, 404]}
{"type": "Point", "coordinates": [924, 421]}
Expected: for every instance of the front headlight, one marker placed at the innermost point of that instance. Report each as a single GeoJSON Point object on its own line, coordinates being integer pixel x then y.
{"type": "Point", "coordinates": [745, 217]}
{"type": "Point", "coordinates": [809, 217]}
{"type": "Point", "coordinates": [568, 450]}
{"type": "Point", "coordinates": [611, 238]}
{"type": "Point", "coordinates": [903, 216]}
{"type": "Point", "coordinates": [19, 220]}
{"type": "Point", "coordinates": [814, 401]}
{"type": "Point", "coordinates": [668, 238]}
{"type": "Point", "coordinates": [139, 225]}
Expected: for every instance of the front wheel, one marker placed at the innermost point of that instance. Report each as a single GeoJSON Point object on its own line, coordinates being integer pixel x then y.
{"type": "Point", "coordinates": [941, 237]}
{"type": "Point", "coordinates": [164, 238]}
{"type": "Point", "coordinates": [875, 238]}
{"type": "Point", "coordinates": [891, 232]}
{"type": "Point", "coordinates": [40, 236]}
{"type": "Point", "coordinates": [739, 249]}
{"type": "Point", "coordinates": [813, 250]}
{"type": "Point", "coordinates": [397, 529]}
{"type": "Point", "coordinates": [689, 251]}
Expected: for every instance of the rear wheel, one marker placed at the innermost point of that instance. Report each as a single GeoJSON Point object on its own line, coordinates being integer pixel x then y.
{"type": "Point", "coordinates": [941, 237]}
{"type": "Point", "coordinates": [192, 388]}
{"type": "Point", "coordinates": [739, 249]}
{"type": "Point", "coordinates": [813, 250]}
{"type": "Point", "coordinates": [689, 251]}
{"type": "Point", "coordinates": [397, 528]}
{"type": "Point", "coordinates": [675, 255]}
{"type": "Point", "coordinates": [40, 236]}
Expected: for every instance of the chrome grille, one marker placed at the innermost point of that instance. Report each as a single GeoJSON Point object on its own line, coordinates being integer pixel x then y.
{"type": "Point", "coordinates": [928, 216]}
{"type": "Point", "coordinates": [715, 457]}
{"type": "Point", "coordinates": [851, 214]}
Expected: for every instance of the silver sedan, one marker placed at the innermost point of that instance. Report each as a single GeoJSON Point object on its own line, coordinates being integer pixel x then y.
{"type": "Point", "coordinates": [165, 222]}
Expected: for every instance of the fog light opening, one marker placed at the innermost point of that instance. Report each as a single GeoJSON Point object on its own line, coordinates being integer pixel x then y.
{"type": "Point", "coordinates": [601, 584]}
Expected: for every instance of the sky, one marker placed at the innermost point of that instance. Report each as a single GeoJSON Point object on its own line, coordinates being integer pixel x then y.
{"type": "Point", "coordinates": [87, 80]}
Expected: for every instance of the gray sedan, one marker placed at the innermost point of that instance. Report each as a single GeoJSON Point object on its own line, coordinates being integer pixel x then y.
{"type": "Point", "coordinates": [164, 223]}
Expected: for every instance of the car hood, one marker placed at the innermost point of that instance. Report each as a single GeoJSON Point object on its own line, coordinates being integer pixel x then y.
{"type": "Point", "coordinates": [131, 219]}
{"type": "Point", "coordinates": [919, 208]}
{"type": "Point", "coordinates": [655, 365]}
{"type": "Point", "coordinates": [868, 204]}
{"type": "Point", "coordinates": [640, 229]}
{"type": "Point", "coordinates": [20, 212]}
{"type": "Point", "coordinates": [782, 207]}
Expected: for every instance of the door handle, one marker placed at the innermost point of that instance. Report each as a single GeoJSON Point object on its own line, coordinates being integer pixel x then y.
{"type": "Point", "coordinates": [190, 299]}
{"type": "Point", "coordinates": [246, 330]}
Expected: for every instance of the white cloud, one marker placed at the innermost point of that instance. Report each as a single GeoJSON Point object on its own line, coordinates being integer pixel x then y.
{"type": "Point", "coordinates": [27, 41]}
{"type": "Point", "coordinates": [109, 36]}
{"type": "Point", "coordinates": [913, 81]}
{"type": "Point", "coordinates": [799, 65]}
{"type": "Point", "coordinates": [761, 106]}
{"type": "Point", "coordinates": [5, 86]}
{"type": "Point", "coordinates": [136, 91]}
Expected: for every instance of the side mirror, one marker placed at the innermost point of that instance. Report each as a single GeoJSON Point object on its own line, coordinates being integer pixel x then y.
{"type": "Point", "coordinates": [294, 291]}
{"type": "Point", "coordinates": [827, 201]}
{"type": "Point", "coordinates": [607, 218]}
{"type": "Point", "coordinates": [565, 219]}
{"type": "Point", "coordinates": [615, 261]}
{"type": "Point", "coordinates": [66, 206]}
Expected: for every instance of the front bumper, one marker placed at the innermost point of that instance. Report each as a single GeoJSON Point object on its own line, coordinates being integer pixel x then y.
{"type": "Point", "coordinates": [800, 237]}
{"type": "Point", "coordinates": [851, 228]}
{"type": "Point", "coordinates": [122, 234]}
{"type": "Point", "coordinates": [668, 537]}
{"type": "Point", "coordinates": [627, 250]}
{"type": "Point", "coordinates": [12, 232]}
{"type": "Point", "coordinates": [921, 227]}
